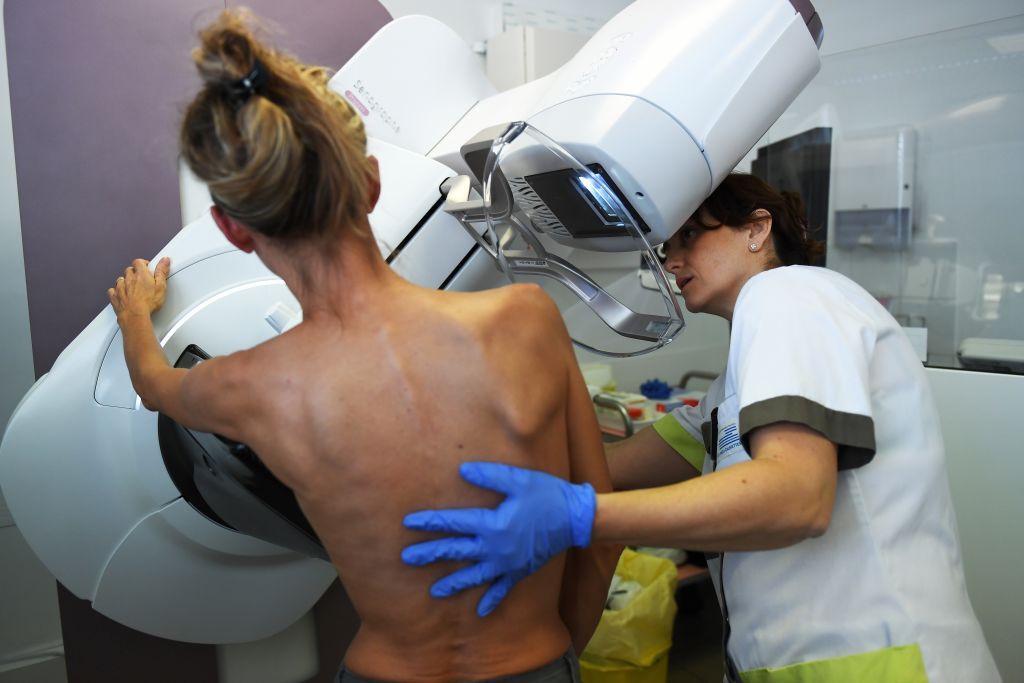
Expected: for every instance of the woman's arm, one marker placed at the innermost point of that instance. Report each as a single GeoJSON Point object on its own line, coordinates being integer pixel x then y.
{"type": "Point", "coordinates": [784, 495]}
{"type": "Point", "coordinates": [183, 395]}
{"type": "Point", "coordinates": [646, 460]}
{"type": "Point", "coordinates": [135, 296]}
{"type": "Point", "coordinates": [780, 497]}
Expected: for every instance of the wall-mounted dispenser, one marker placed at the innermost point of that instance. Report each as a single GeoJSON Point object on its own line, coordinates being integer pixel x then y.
{"type": "Point", "coordinates": [875, 189]}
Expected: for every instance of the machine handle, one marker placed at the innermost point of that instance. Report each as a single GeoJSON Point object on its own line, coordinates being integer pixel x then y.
{"type": "Point", "coordinates": [696, 374]}
{"type": "Point", "coordinates": [611, 311]}
{"type": "Point", "coordinates": [608, 402]}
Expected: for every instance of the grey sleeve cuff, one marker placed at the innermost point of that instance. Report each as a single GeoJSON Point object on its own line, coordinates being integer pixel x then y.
{"type": "Point", "coordinates": [853, 435]}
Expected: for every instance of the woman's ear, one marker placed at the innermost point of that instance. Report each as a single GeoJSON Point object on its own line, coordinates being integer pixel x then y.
{"type": "Point", "coordinates": [760, 228]}
{"type": "Point", "coordinates": [374, 185]}
{"type": "Point", "coordinates": [238, 234]}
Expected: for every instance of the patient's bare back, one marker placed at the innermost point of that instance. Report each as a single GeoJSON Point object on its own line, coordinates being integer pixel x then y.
{"type": "Point", "coordinates": [367, 417]}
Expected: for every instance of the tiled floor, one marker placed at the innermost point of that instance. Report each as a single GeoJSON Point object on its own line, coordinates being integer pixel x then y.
{"type": "Point", "coordinates": [696, 655]}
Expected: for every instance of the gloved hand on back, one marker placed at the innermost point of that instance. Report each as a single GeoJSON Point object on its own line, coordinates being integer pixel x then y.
{"type": "Point", "coordinates": [541, 516]}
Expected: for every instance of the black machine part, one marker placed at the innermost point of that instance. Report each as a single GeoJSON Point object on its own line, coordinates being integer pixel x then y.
{"type": "Point", "coordinates": [226, 482]}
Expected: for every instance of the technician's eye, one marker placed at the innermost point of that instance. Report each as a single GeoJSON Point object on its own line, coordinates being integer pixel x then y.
{"type": "Point", "coordinates": [687, 235]}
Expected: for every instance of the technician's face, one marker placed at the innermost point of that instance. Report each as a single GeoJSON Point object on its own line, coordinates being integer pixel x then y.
{"type": "Point", "coordinates": [709, 267]}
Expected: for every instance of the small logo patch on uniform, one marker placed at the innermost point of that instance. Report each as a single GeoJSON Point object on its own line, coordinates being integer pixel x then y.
{"type": "Point", "coordinates": [728, 439]}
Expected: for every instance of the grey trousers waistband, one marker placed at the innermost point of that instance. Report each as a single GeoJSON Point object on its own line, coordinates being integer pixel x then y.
{"type": "Point", "coordinates": [565, 669]}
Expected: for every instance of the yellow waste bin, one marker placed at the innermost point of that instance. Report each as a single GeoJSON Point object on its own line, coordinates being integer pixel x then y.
{"type": "Point", "coordinates": [633, 638]}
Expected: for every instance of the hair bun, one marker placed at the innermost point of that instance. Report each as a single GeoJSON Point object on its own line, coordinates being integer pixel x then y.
{"type": "Point", "coordinates": [227, 50]}
{"type": "Point", "coordinates": [290, 163]}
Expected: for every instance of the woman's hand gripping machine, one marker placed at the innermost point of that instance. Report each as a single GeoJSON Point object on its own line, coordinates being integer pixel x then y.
{"type": "Point", "coordinates": [186, 536]}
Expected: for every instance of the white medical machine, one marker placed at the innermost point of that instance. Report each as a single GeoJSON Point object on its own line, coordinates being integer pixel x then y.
{"type": "Point", "coordinates": [186, 535]}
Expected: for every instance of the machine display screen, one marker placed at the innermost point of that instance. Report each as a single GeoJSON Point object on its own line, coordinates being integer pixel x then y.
{"type": "Point", "coordinates": [582, 205]}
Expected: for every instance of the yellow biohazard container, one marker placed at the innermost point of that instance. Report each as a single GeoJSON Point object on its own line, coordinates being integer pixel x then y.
{"type": "Point", "coordinates": [631, 644]}
{"type": "Point", "coordinates": [593, 671]}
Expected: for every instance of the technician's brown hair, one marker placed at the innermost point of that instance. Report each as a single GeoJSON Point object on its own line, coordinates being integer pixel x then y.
{"type": "Point", "coordinates": [287, 159]}
{"type": "Point", "coordinates": [735, 201]}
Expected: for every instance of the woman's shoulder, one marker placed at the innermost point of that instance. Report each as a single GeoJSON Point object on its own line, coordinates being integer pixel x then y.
{"type": "Point", "coordinates": [794, 282]}
{"type": "Point", "coordinates": [797, 274]}
{"type": "Point", "coordinates": [525, 316]}
{"type": "Point", "coordinates": [516, 312]}
{"type": "Point", "coordinates": [519, 299]}
{"type": "Point", "coordinates": [800, 293]}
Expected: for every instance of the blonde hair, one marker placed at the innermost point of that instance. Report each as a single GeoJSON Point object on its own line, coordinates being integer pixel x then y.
{"type": "Point", "coordinates": [287, 159]}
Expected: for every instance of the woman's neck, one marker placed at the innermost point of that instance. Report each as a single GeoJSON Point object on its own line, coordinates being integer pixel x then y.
{"type": "Point", "coordinates": [341, 278]}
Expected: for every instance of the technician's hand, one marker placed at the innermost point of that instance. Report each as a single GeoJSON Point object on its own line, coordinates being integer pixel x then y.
{"type": "Point", "coordinates": [540, 517]}
{"type": "Point", "coordinates": [138, 291]}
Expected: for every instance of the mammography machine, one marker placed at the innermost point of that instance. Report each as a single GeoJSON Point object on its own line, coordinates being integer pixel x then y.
{"type": "Point", "coordinates": [185, 535]}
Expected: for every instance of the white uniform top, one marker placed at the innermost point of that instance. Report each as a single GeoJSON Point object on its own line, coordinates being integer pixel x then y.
{"type": "Point", "coordinates": [883, 588]}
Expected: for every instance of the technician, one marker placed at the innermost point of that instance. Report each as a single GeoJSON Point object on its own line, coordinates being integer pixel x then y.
{"type": "Point", "coordinates": [822, 499]}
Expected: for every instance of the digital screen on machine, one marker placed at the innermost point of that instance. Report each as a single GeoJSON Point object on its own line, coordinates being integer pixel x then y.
{"type": "Point", "coordinates": [586, 206]}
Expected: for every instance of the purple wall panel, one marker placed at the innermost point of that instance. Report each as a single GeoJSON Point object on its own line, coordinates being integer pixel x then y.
{"type": "Point", "coordinates": [322, 32]}
{"type": "Point", "coordinates": [97, 89]}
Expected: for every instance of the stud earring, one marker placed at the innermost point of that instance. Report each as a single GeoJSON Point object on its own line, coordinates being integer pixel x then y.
{"type": "Point", "coordinates": [753, 246]}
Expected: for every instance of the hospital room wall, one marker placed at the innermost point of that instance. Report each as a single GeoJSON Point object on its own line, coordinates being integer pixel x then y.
{"type": "Point", "coordinates": [97, 185]}
{"type": "Point", "coordinates": [967, 174]}
{"type": "Point", "coordinates": [852, 28]}
{"type": "Point", "coordinates": [978, 409]}
{"type": "Point", "coordinates": [67, 177]}
{"type": "Point", "coordinates": [29, 645]}
{"type": "Point", "coordinates": [848, 26]}
{"type": "Point", "coordinates": [955, 95]}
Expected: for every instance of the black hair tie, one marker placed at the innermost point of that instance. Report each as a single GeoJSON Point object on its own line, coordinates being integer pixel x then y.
{"type": "Point", "coordinates": [250, 84]}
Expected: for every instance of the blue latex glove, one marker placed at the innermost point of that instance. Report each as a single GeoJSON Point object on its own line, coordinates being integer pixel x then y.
{"type": "Point", "coordinates": [540, 517]}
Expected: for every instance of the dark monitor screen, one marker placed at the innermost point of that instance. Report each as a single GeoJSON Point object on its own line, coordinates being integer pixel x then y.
{"type": "Point", "coordinates": [801, 163]}
{"type": "Point", "coordinates": [583, 210]}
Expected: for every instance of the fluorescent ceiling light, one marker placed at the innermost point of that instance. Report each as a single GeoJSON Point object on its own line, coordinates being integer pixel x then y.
{"type": "Point", "coordinates": [1013, 42]}
{"type": "Point", "coordinates": [984, 106]}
